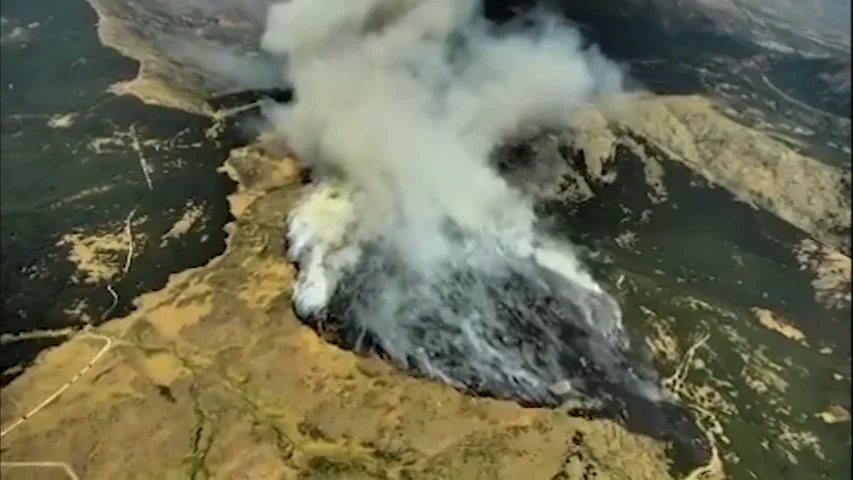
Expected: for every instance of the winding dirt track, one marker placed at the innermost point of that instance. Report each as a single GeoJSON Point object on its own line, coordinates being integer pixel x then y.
{"type": "Point", "coordinates": [47, 401]}
{"type": "Point", "coordinates": [67, 468]}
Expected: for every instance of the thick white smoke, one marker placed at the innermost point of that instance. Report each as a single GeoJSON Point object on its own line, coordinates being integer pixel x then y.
{"type": "Point", "coordinates": [408, 234]}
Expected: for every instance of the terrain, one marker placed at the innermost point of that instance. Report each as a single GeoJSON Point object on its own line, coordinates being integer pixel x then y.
{"type": "Point", "coordinates": [713, 203]}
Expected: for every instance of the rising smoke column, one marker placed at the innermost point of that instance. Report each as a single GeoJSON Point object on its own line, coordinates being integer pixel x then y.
{"type": "Point", "coordinates": [408, 236]}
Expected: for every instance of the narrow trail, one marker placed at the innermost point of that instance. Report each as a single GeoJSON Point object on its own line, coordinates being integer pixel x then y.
{"type": "Point", "coordinates": [706, 419]}
{"type": "Point", "coordinates": [47, 401]}
{"type": "Point", "coordinates": [85, 333]}
{"type": "Point", "coordinates": [800, 103]}
{"type": "Point", "coordinates": [64, 466]}
{"type": "Point", "coordinates": [108, 343]}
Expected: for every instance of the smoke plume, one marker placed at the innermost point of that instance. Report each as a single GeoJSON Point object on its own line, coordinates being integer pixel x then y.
{"type": "Point", "coordinates": [408, 240]}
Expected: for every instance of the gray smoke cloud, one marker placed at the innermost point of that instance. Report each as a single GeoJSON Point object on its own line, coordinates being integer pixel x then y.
{"type": "Point", "coordinates": [407, 234]}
